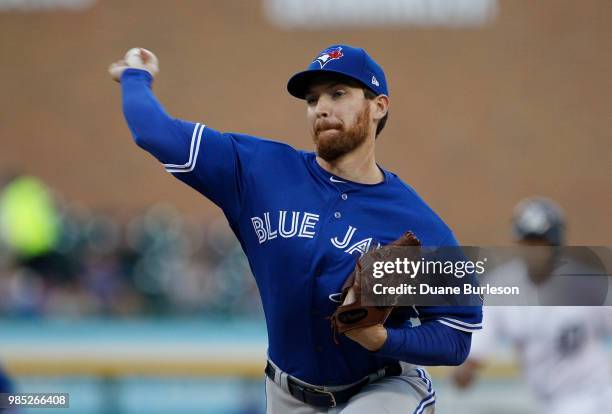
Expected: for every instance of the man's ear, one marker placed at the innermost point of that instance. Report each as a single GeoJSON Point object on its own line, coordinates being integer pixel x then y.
{"type": "Point", "coordinates": [381, 107]}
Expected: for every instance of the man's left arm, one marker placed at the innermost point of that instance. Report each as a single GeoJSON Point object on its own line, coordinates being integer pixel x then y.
{"type": "Point", "coordinates": [443, 337]}
{"type": "Point", "coordinates": [428, 344]}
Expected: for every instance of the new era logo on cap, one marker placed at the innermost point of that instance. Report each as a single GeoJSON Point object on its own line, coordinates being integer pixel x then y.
{"type": "Point", "coordinates": [375, 81]}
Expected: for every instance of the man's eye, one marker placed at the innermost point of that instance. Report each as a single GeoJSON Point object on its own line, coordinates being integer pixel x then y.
{"type": "Point", "coordinates": [311, 100]}
{"type": "Point", "coordinates": [338, 93]}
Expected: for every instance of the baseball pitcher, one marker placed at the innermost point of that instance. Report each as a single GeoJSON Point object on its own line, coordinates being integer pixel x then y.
{"type": "Point", "coordinates": [303, 219]}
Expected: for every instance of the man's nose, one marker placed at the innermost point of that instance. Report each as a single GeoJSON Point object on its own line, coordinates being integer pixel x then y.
{"type": "Point", "coordinates": [323, 107]}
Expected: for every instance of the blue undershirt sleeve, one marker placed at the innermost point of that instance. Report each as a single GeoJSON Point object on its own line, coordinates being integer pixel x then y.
{"type": "Point", "coordinates": [164, 137]}
{"type": "Point", "coordinates": [429, 344]}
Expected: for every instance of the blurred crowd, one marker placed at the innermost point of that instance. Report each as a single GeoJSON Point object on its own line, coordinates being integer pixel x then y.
{"type": "Point", "coordinates": [58, 258]}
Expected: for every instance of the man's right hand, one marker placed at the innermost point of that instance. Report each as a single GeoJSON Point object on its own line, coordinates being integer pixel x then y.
{"type": "Point", "coordinates": [136, 58]}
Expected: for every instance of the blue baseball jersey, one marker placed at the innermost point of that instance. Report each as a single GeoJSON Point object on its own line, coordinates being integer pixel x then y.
{"type": "Point", "coordinates": [302, 230]}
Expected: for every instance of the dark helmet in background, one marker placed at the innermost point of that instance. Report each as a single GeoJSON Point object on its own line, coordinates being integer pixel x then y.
{"type": "Point", "coordinates": [539, 218]}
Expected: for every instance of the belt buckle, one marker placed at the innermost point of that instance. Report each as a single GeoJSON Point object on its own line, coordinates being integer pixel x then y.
{"type": "Point", "coordinates": [331, 395]}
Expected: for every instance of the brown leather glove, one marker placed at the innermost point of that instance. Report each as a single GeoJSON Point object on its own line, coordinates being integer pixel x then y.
{"type": "Point", "coordinates": [352, 314]}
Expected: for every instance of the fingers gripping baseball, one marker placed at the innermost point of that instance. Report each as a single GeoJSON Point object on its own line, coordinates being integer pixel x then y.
{"type": "Point", "coordinates": [136, 58]}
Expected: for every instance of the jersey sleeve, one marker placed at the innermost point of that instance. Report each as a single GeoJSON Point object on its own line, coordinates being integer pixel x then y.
{"type": "Point", "coordinates": [213, 163]}
{"type": "Point", "coordinates": [462, 318]}
{"type": "Point", "coordinates": [219, 167]}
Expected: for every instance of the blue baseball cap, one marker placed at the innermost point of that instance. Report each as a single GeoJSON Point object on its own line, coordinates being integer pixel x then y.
{"type": "Point", "coordinates": [352, 62]}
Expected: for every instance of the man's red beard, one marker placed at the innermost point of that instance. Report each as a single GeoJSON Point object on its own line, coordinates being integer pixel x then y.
{"type": "Point", "coordinates": [334, 141]}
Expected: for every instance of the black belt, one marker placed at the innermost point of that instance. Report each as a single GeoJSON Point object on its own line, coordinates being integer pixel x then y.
{"type": "Point", "coordinates": [317, 397]}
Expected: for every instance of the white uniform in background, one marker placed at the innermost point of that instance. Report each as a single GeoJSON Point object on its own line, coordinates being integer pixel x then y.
{"type": "Point", "coordinates": [561, 350]}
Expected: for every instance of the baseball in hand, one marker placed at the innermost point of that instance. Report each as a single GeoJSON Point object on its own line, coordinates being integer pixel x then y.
{"type": "Point", "coordinates": [141, 58]}
{"type": "Point", "coordinates": [132, 57]}
{"type": "Point", "coordinates": [137, 58]}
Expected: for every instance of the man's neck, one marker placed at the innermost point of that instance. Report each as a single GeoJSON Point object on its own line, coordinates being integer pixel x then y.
{"type": "Point", "coordinates": [358, 166]}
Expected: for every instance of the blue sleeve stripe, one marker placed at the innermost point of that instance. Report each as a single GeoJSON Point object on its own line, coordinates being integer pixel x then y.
{"type": "Point", "coordinates": [193, 156]}
{"type": "Point", "coordinates": [458, 327]}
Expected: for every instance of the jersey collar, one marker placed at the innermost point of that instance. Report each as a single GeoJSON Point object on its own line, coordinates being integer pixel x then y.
{"type": "Point", "coordinates": [339, 181]}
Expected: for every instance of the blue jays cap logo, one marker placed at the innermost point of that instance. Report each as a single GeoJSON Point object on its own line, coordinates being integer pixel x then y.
{"type": "Point", "coordinates": [328, 55]}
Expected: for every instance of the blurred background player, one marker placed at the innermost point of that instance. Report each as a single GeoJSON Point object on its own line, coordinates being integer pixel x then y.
{"type": "Point", "coordinates": [561, 349]}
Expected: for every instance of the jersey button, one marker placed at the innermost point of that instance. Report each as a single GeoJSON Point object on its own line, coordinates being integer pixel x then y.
{"type": "Point", "coordinates": [337, 214]}
{"type": "Point", "coordinates": [344, 196]}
